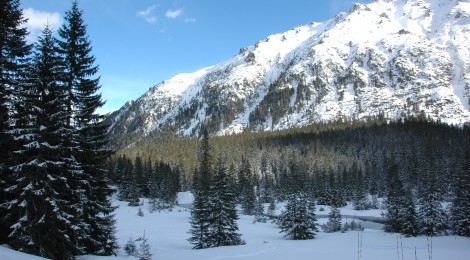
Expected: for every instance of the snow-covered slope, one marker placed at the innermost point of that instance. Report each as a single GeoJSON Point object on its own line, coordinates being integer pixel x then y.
{"type": "Point", "coordinates": [391, 57]}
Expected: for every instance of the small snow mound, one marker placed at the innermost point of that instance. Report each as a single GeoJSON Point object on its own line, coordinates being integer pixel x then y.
{"type": "Point", "coordinates": [7, 253]}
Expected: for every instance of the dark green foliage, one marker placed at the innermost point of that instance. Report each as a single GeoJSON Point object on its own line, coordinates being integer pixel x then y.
{"type": "Point", "coordinates": [199, 230]}
{"type": "Point", "coordinates": [204, 172]}
{"type": "Point", "coordinates": [340, 162]}
{"type": "Point", "coordinates": [394, 202]}
{"type": "Point", "coordinates": [409, 221]}
{"type": "Point", "coordinates": [139, 176]}
{"type": "Point", "coordinates": [163, 186]}
{"type": "Point", "coordinates": [126, 170]}
{"type": "Point", "coordinates": [158, 179]}
{"type": "Point", "coordinates": [259, 211]}
{"type": "Point", "coordinates": [222, 210]}
{"type": "Point", "coordinates": [128, 187]}
{"type": "Point", "coordinates": [266, 186]}
{"type": "Point", "coordinates": [47, 209]}
{"type": "Point", "coordinates": [298, 220]}
{"type": "Point", "coordinates": [246, 187]}
{"type": "Point", "coordinates": [14, 52]}
{"type": "Point", "coordinates": [58, 195]}
{"type": "Point", "coordinates": [130, 247]}
{"type": "Point", "coordinates": [334, 221]}
{"type": "Point", "coordinates": [359, 194]}
{"type": "Point", "coordinates": [432, 216]}
{"type": "Point", "coordinates": [83, 99]}
{"type": "Point", "coordinates": [460, 210]}
{"type": "Point", "coordinates": [200, 213]}
{"type": "Point", "coordinates": [133, 195]}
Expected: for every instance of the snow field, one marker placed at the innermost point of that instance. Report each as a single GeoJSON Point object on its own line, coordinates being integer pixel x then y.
{"type": "Point", "coordinates": [166, 232]}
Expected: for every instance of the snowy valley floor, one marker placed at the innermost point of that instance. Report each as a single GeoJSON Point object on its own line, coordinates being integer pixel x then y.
{"type": "Point", "coordinates": [166, 232]}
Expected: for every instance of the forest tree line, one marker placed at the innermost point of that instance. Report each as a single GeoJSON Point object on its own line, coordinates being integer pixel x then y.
{"type": "Point", "coordinates": [413, 166]}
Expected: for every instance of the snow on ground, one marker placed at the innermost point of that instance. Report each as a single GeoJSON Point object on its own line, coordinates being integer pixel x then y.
{"type": "Point", "coordinates": [7, 253]}
{"type": "Point", "coordinates": [167, 234]}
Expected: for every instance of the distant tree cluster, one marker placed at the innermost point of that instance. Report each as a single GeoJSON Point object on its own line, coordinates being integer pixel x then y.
{"type": "Point", "coordinates": [54, 196]}
{"type": "Point", "coordinates": [137, 179]}
{"type": "Point", "coordinates": [413, 166]}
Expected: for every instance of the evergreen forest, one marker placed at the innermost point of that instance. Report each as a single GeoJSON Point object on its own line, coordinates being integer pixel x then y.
{"type": "Point", "coordinates": [54, 194]}
{"type": "Point", "coordinates": [415, 170]}
{"type": "Point", "coordinates": [59, 173]}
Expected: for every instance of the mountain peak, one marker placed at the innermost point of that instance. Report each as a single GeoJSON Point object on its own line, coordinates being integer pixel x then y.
{"type": "Point", "coordinates": [393, 58]}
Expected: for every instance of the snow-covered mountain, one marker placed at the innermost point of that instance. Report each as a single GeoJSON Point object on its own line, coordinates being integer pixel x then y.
{"type": "Point", "coordinates": [390, 57]}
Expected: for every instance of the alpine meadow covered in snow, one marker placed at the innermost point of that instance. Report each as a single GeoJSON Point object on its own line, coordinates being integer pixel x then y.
{"type": "Point", "coordinates": [348, 139]}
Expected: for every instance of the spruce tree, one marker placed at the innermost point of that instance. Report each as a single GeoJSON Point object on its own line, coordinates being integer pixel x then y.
{"type": "Point", "coordinates": [359, 193]}
{"type": "Point", "coordinates": [409, 218]}
{"type": "Point", "coordinates": [139, 177]}
{"type": "Point", "coordinates": [222, 210]}
{"type": "Point", "coordinates": [199, 223]}
{"type": "Point", "coordinates": [153, 186]}
{"type": "Point", "coordinates": [334, 220]}
{"type": "Point", "coordinates": [246, 187]}
{"type": "Point", "coordinates": [298, 220]}
{"type": "Point", "coordinates": [133, 195]}
{"type": "Point", "coordinates": [433, 217]}
{"type": "Point", "coordinates": [47, 209]}
{"type": "Point", "coordinates": [131, 248]}
{"type": "Point", "coordinates": [14, 53]}
{"type": "Point", "coordinates": [266, 182]}
{"type": "Point", "coordinates": [126, 180]}
{"type": "Point", "coordinates": [394, 201]}
{"type": "Point", "coordinates": [259, 211]}
{"type": "Point", "coordinates": [271, 208]}
{"type": "Point", "coordinates": [200, 232]}
{"type": "Point", "coordinates": [144, 249]}
{"type": "Point", "coordinates": [83, 99]}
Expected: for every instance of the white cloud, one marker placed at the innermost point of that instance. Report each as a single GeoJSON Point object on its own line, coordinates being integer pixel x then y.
{"type": "Point", "coordinates": [37, 20]}
{"type": "Point", "coordinates": [190, 20]}
{"type": "Point", "coordinates": [148, 14]}
{"type": "Point", "coordinates": [173, 13]}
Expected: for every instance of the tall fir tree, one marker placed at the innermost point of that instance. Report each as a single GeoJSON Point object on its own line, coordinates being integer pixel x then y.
{"type": "Point", "coordinates": [394, 201]}
{"type": "Point", "coordinates": [204, 165]}
{"type": "Point", "coordinates": [140, 176]}
{"type": "Point", "coordinates": [47, 210]}
{"type": "Point", "coordinates": [83, 99]}
{"type": "Point", "coordinates": [246, 187]}
{"type": "Point", "coordinates": [133, 189]}
{"type": "Point", "coordinates": [433, 217]}
{"type": "Point", "coordinates": [126, 177]}
{"type": "Point", "coordinates": [14, 54]}
{"type": "Point", "coordinates": [222, 210]}
{"type": "Point", "coordinates": [200, 226]}
{"type": "Point", "coordinates": [409, 217]}
{"type": "Point", "coordinates": [334, 220]}
{"type": "Point", "coordinates": [298, 220]}
{"type": "Point", "coordinates": [266, 182]}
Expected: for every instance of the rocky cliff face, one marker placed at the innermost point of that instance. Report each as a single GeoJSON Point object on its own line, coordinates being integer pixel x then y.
{"type": "Point", "coordinates": [392, 58]}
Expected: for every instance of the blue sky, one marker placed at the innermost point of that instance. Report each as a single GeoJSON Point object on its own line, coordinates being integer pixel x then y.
{"type": "Point", "coordinates": [139, 43]}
